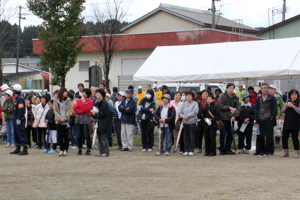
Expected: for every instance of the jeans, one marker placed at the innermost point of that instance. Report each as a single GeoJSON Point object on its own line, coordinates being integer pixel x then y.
{"type": "Point", "coordinates": [74, 130]}
{"type": "Point", "coordinates": [147, 136]}
{"type": "Point", "coordinates": [285, 138]}
{"type": "Point", "coordinates": [226, 133]}
{"type": "Point", "coordinates": [168, 134]}
{"type": "Point", "coordinates": [10, 132]}
{"type": "Point", "coordinates": [189, 132]}
{"type": "Point", "coordinates": [83, 132]}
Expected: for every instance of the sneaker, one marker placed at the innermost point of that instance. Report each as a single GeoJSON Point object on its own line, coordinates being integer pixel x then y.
{"type": "Point", "coordinates": [130, 150]}
{"type": "Point", "coordinates": [79, 152]}
{"type": "Point", "coordinates": [158, 153]}
{"type": "Point", "coordinates": [191, 154]}
{"type": "Point", "coordinates": [119, 148]}
{"type": "Point", "coordinates": [246, 151]}
{"type": "Point", "coordinates": [271, 156]}
{"type": "Point", "coordinates": [7, 146]}
{"type": "Point", "coordinates": [88, 152]}
{"type": "Point", "coordinates": [241, 151]}
{"type": "Point", "coordinates": [150, 150]}
{"type": "Point", "coordinates": [144, 150]}
{"type": "Point", "coordinates": [60, 153]}
{"type": "Point", "coordinates": [167, 153]}
{"type": "Point", "coordinates": [185, 154]}
{"type": "Point", "coordinates": [45, 151]}
{"type": "Point", "coordinates": [12, 146]}
{"type": "Point", "coordinates": [52, 151]}
{"type": "Point", "coordinates": [74, 147]}
{"type": "Point", "coordinates": [110, 148]}
{"type": "Point", "coordinates": [262, 155]}
{"type": "Point", "coordinates": [65, 153]}
{"type": "Point", "coordinates": [84, 146]}
{"type": "Point", "coordinates": [124, 149]}
{"type": "Point", "coordinates": [58, 147]}
{"type": "Point", "coordinates": [104, 155]}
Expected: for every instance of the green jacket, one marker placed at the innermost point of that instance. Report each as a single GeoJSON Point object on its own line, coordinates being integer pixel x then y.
{"type": "Point", "coordinates": [8, 113]}
{"type": "Point", "coordinates": [280, 105]}
{"type": "Point", "coordinates": [224, 107]}
{"type": "Point", "coordinates": [239, 95]}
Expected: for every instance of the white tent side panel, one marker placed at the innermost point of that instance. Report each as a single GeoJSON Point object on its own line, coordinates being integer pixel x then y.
{"type": "Point", "coordinates": [264, 59]}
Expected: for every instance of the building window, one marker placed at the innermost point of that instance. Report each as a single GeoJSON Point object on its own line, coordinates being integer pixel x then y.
{"type": "Point", "coordinates": [84, 65]}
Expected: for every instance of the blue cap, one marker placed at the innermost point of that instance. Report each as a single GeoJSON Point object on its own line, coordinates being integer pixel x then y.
{"type": "Point", "coordinates": [246, 95]}
{"type": "Point", "coordinates": [130, 91]}
{"type": "Point", "coordinates": [31, 92]}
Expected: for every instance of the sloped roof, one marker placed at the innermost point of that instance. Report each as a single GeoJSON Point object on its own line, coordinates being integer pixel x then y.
{"type": "Point", "coordinates": [281, 23]}
{"type": "Point", "coordinates": [200, 17]}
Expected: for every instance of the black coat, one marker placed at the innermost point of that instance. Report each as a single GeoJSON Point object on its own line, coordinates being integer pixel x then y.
{"type": "Point", "coordinates": [215, 110]}
{"type": "Point", "coordinates": [103, 116]}
{"type": "Point", "coordinates": [51, 119]}
{"type": "Point", "coordinates": [146, 110]}
{"type": "Point", "coordinates": [201, 113]}
{"type": "Point", "coordinates": [246, 112]}
{"type": "Point", "coordinates": [170, 118]}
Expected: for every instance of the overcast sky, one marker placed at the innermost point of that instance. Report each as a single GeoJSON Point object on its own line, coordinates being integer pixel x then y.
{"type": "Point", "coordinates": [253, 12]}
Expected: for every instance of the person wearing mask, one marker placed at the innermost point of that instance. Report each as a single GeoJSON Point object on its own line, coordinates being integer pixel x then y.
{"type": "Point", "coordinates": [140, 95]}
{"type": "Point", "coordinates": [211, 115]}
{"type": "Point", "coordinates": [188, 113]}
{"type": "Point", "coordinates": [265, 119]}
{"type": "Point", "coordinates": [158, 94]}
{"type": "Point", "coordinates": [201, 105]}
{"type": "Point", "coordinates": [291, 123]}
{"type": "Point", "coordinates": [50, 121]}
{"type": "Point", "coordinates": [280, 104]}
{"type": "Point", "coordinates": [230, 110]}
{"type": "Point", "coordinates": [165, 116]}
{"type": "Point", "coordinates": [253, 95]}
{"type": "Point", "coordinates": [83, 109]}
{"type": "Point", "coordinates": [121, 96]}
{"type": "Point", "coordinates": [114, 96]}
{"type": "Point", "coordinates": [146, 110]}
{"type": "Point", "coordinates": [4, 88]}
{"type": "Point", "coordinates": [218, 92]}
{"type": "Point", "coordinates": [127, 109]}
{"type": "Point", "coordinates": [29, 121]}
{"type": "Point", "coordinates": [104, 123]}
{"type": "Point", "coordinates": [246, 118]}
{"type": "Point", "coordinates": [80, 87]}
{"type": "Point", "coordinates": [240, 93]}
{"type": "Point", "coordinates": [166, 90]}
{"type": "Point", "coordinates": [7, 110]}
{"type": "Point", "coordinates": [41, 111]}
{"type": "Point", "coordinates": [176, 103]}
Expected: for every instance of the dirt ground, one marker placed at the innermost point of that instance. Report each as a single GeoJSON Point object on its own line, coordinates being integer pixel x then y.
{"type": "Point", "coordinates": [137, 175]}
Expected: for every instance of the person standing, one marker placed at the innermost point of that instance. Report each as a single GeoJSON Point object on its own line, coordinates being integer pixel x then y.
{"type": "Point", "coordinates": [230, 110]}
{"type": "Point", "coordinates": [291, 123]}
{"type": "Point", "coordinates": [29, 121]}
{"type": "Point", "coordinates": [102, 86]}
{"type": "Point", "coordinates": [188, 113]}
{"type": "Point", "coordinates": [140, 95]}
{"type": "Point", "coordinates": [253, 95]}
{"type": "Point", "coordinates": [166, 90]}
{"type": "Point", "coordinates": [265, 119]}
{"type": "Point", "coordinates": [158, 94]}
{"type": "Point", "coordinates": [19, 122]}
{"type": "Point", "coordinates": [165, 115]}
{"type": "Point", "coordinates": [50, 122]}
{"type": "Point", "coordinates": [218, 92]}
{"type": "Point", "coordinates": [41, 111]}
{"type": "Point", "coordinates": [175, 103]}
{"type": "Point", "coordinates": [8, 117]}
{"type": "Point", "coordinates": [121, 96]}
{"type": "Point", "coordinates": [4, 88]}
{"type": "Point", "coordinates": [80, 87]}
{"type": "Point", "coordinates": [200, 131]}
{"type": "Point", "coordinates": [246, 118]}
{"type": "Point", "coordinates": [240, 93]}
{"type": "Point", "coordinates": [47, 94]}
{"type": "Point", "coordinates": [93, 96]}
{"type": "Point", "coordinates": [114, 96]}
{"type": "Point", "coordinates": [127, 108]}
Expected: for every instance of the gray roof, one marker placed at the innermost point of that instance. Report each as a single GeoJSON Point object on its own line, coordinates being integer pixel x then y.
{"type": "Point", "coordinates": [25, 61]}
{"type": "Point", "coordinates": [200, 17]}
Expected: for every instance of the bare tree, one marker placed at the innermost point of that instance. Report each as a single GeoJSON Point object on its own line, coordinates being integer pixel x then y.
{"type": "Point", "coordinates": [105, 36]}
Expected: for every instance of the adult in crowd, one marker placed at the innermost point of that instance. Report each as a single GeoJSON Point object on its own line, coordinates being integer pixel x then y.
{"type": "Point", "coordinates": [195, 96]}
{"type": "Point", "coordinates": [166, 90]}
{"type": "Point", "coordinates": [176, 103]}
{"type": "Point", "coordinates": [127, 109]}
{"type": "Point", "coordinates": [112, 114]}
{"type": "Point", "coordinates": [19, 122]}
{"type": "Point", "coordinates": [93, 96]}
{"type": "Point", "coordinates": [246, 118]}
{"type": "Point", "coordinates": [218, 92]}
{"type": "Point", "coordinates": [114, 96]}
{"type": "Point", "coordinates": [230, 110]}
{"type": "Point", "coordinates": [121, 96]}
{"type": "Point", "coordinates": [291, 123]}
{"type": "Point", "coordinates": [47, 94]}
{"type": "Point", "coordinates": [50, 121]}
{"type": "Point", "coordinates": [202, 106]}
{"type": "Point", "coordinates": [83, 109]}
{"type": "Point", "coordinates": [102, 86]}
{"type": "Point", "coordinates": [55, 93]}
{"type": "Point", "coordinates": [158, 94]}
{"type": "Point", "coordinates": [104, 123]}
{"type": "Point", "coordinates": [211, 115]}
{"type": "Point", "coordinates": [4, 88]}
{"type": "Point", "coordinates": [181, 140]}
{"type": "Point", "coordinates": [29, 121]}
{"type": "Point", "coordinates": [240, 93]}
{"type": "Point", "coordinates": [62, 107]}
{"type": "Point", "coordinates": [80, 87]}
{"type": "Point", "coordinates": [134, 96]}
{"type": "Point", "coordinates": [188, 113]}
{"type": "Point", "coordinates": [253, 95]}
{"type": "Point", "coordinates": [8, 117]}
{"type": "Point", "coordinates": [146, 110]}
{"type": "Point", "coordinates": [140, 95]}
{"type": "Point", "coordinates": [74, 128]}
{"type": "Point", "coordinates": [165, 116]}
{"type": "Point", "coordinates": [41, 111]}
{"type": "Point", "coordinates": [265, 119]}
{"type": "Point", "coordinates": [284, 97]}
{"type": "Point", "coordinates": [280, 104]}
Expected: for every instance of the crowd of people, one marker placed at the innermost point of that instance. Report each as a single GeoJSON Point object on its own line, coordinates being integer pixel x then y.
{"type": "Point", "coordinates": [89, 117]}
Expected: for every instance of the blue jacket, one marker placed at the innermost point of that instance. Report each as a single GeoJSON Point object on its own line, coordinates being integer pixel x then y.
{"type": "Point", "coordinates": [273, 107]}
{"type": "Point", "coordinates": [19, 108]}
{"type": "Point", "coordinates": [128, 111]}
{"type": "Point", "coordinates": [146, 110]}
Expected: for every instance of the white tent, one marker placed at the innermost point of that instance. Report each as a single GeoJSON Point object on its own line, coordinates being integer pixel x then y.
{"type": "Point", "coordinates": [231, 61]}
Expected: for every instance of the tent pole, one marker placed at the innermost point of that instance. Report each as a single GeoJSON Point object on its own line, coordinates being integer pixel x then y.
{"type": "Point", "coordinates": [289, 82]}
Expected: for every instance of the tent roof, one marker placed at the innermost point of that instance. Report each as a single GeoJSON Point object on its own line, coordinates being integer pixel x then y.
{"type": "Point", "coordinates": [263, 59]}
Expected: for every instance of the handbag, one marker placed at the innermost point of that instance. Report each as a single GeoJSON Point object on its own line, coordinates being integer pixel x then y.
{"type": "Point", "coordinates": [90, 124]}
{"type": "Point", "coordinates": [37, 121]}
{"type": "Point", "coordinates": [219, 122]}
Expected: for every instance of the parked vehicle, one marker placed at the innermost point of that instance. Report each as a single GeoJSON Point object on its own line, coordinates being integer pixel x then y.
{"type": "Point", "coordinates": [26, 93]}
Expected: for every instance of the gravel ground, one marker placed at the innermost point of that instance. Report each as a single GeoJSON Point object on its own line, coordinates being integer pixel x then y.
{"type": "Point", "coordinates": [137, 175]}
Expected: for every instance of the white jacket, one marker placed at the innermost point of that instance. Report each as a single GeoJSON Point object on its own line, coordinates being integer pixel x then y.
{"type": "Point", "coordinates": [40, 113]}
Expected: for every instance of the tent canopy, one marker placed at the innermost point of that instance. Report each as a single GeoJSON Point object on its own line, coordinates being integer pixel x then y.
{"type": "Point", "coordinates": [231, 61]}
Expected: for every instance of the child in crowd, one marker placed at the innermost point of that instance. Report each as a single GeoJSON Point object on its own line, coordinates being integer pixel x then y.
{"type": "Point", "coordinates": [50, 121]}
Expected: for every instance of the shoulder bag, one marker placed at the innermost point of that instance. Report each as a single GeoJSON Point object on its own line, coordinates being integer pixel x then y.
{"type": "Point", "coordinates": [219, 122]}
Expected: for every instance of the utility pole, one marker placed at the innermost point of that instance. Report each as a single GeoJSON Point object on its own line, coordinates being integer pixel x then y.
{"type": "Point", "coordinates": [213, 10]}
{"type": "Point", "coordinates": [283, 10]}
{"type": "Point", "coordinates": [18, 40]}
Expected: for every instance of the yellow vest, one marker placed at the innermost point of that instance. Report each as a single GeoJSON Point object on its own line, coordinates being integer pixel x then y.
{"type": "Point", "coordinates": [140, 96]}
{"type": "Point", "coordinates": [158, 96]}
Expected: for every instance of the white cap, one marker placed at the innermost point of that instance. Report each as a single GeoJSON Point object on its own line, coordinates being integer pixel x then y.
{"type": "Point", "coordinates": [5, 87]}
{"type": "Point", "coordinates": [108, 95]}
{"type": "Point", "coordinates": [122, 93]}
{"type": "Point", "coordinates": [140, 87]}
{"type": "Point", "coordinates": [9, 92]}
{"type": "Point", "coordinates": [273, 87]}
{"type": "Point", "coordinates": [154, 86]}
{"type": "Point", "coordinates": [17, 87]}
{"type": "Point", "coordinates": [45, 90]}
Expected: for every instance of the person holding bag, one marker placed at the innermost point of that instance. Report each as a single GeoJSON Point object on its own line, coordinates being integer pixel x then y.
{"type": "Point", "coordinates": [83, 109]}
{"type": "Point", "coordinates": [39, 122]}
{"type": "Point", "coordinates": [146, 109]}
{"type": "Point", "coordinates": [62, 108]}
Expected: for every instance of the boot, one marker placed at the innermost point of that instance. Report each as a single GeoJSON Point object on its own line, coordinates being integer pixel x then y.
{"type": "Point", "coordinates": [17, 150]}
{"type": "Point", "coordinates": [285, 153]}
{"type": "Point", "coordinates": [24, 152]}
{"type": "Point", "coordinates": [296, 154]}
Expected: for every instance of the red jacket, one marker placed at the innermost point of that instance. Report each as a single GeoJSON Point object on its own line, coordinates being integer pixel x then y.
{"type": "Point", "coordinates": [253, 99]}
{"type": "Point", "coordinates": [83, 107]}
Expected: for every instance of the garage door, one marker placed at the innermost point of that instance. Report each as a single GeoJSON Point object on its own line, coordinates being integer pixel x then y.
{"type": "Point", "coordinates": [130, 66]}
